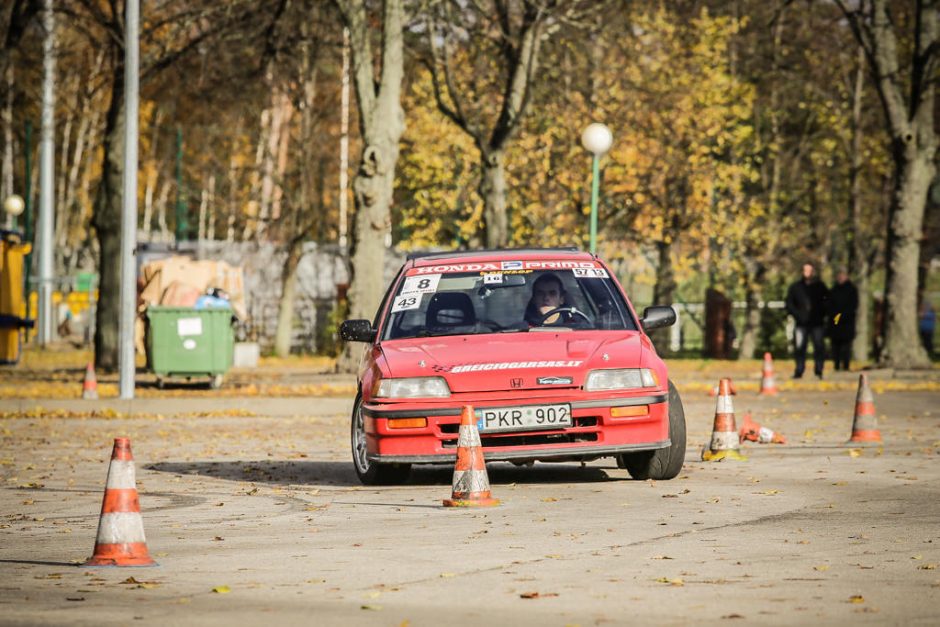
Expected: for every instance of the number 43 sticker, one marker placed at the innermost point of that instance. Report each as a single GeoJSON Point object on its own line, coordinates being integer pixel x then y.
{"type": "Point", "coordinates": [404, 303]}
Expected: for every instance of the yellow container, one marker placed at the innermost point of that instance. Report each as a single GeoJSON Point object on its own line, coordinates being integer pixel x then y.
{"type": "Point", "coordinates": [12, 303]}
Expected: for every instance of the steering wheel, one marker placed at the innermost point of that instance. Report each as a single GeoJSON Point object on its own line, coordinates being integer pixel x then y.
{"type": "Point", "coordinates": [566, 309]}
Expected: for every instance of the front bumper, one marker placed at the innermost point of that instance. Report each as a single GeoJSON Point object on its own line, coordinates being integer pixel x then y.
{"type": "Point", "coordinates": [595, 432]}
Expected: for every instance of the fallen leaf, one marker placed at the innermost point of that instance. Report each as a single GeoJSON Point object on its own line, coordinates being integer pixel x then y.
{"type": "Point", "coordinates": [371, 608]}
{"type": "Point", "coordinates": [856, 598]}
{"type": "Point", "coordinates": [671, 582]}
{"type": "Point", "coordinates": [448, 575]}
{"type": "Point", "coordinates": [855, 452]}
{"type": "Point", "coordinates": [221, 589]}
{"type": "Point", "coordinates": [733, 616]}
{"type": "Point", "coordinates": [927, 567]}
{"type": "Point", "coordinates": [550, 499]}
{"type": "Point", "coordinates": [821, 567]}
{"type": "Point", "coordinates": [661, 557]}
{"type": "Point", "coordinates": [537, 595]}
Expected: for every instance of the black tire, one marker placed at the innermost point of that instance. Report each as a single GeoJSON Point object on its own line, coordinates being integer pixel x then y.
{"type": "Point", "coordinates": [664, 463]}
{"type": "Point", "coordinates": [369, 472]}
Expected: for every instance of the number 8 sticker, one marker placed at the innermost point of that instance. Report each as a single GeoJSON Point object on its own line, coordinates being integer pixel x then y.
{"type": "Point", "coordinates": [420, 284]}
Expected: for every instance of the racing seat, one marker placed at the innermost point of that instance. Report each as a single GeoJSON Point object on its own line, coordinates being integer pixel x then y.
{"type": "Point", "coordinates": [448, 310]}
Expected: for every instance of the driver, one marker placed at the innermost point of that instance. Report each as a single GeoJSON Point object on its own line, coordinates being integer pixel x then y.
{"type": "Point", "coordinates": [548, 294]}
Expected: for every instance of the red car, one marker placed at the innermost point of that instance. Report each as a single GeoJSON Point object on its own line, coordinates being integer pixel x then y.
{"type": "Point", "coordinates": [545, 346]}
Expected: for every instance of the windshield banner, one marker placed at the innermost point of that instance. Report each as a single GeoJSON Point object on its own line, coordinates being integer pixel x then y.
{"type": "Point", "coordinates": [501, 266]}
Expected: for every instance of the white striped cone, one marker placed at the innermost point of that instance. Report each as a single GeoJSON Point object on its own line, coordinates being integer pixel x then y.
{"type": "Point", "coordinates": [768, 384]}
{"type": "Point", "coordinates": [725, 440]}
{"type": "Point", "coordinates": [121, 540]}
{"type": "Point", "coordinates": [471, 485]}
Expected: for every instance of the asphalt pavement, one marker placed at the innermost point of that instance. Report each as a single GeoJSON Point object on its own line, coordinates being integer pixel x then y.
{"type": "Point", "coordinates": [253, 512]}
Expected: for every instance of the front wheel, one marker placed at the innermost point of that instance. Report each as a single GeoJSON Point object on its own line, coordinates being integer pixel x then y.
{"type": "Point", "coordinates": [369, 472]}
{"type": "Point", "coordinates": [664, 463]}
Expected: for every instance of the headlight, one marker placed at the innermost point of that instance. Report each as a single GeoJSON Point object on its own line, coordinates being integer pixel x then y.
{"type": "Point", "coordinates": [415, 387]}
{"type": "Point", "coordinates": [623, 379]}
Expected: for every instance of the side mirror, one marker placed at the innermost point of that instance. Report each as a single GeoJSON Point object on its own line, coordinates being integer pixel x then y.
{"type": "Point", "coordinates": [658, 316]}
{"type": "Point", "coordinates": [357, 331]}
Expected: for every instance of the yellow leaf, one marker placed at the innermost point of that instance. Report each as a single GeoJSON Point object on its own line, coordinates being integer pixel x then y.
{"type": "Point", "coordinates": [221, 589]}
{"type": "Point", "coordinates": [856, 598]}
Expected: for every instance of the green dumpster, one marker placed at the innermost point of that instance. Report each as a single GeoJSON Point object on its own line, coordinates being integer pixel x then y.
{"type": "Point", "coordinates": [187, 342]}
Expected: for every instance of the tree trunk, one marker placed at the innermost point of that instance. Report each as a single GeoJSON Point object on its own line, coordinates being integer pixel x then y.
{"type": "Point", "coordinates": [282, 154]}
{"type": "Point", "coordinates": [162, 201]}
{"type": "Point", "coordinates": [73, 211]}
{"type": "Point", "coordinates": [382, 122]}
{"type": "Point", "coordinates": [858, 257]}
{"type": "Point", "coordinates": [861, 345]}
{"type": "Point", "coordinates": [752, 316]}
{"type": "Point", "coordinates": [253, 217]}
{"type": "Point", "coordinates": [907, 94]}
{"type": "Point", "coordinates": [107, 224]}
{"type": "Point", "coordinates": [664, 291]}
{"type": "Point", "coordinates": [285, 314]}
{"type": "Point", "coordinates": [903, 349]}
{"type": "Point", "coordinates": [210, 210]}
{"type": "Point", "coordinates": [6, 170]}
{"type": "Point", "coordinates": [493, 192]}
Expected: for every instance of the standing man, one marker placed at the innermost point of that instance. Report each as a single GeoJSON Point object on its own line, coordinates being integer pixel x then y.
{"type": "Point", "coordinates": [843, 305]}
{"type": "Point", "coordinates": [806, 302]}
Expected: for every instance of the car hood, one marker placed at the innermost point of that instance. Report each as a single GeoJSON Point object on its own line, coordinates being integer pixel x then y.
{"type": "Point", "coordinates": [533, 360]}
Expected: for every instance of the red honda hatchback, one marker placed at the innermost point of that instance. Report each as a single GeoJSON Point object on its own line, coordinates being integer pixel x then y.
{"type": "Point", "coordinates": [545, 346]}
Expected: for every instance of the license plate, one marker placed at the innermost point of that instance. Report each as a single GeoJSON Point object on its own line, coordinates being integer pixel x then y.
{"type": "Point", "coordinates": [527, 418]}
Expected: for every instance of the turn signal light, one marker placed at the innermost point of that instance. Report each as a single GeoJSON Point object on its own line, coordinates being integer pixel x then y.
{"type": "Point", "coordinates": [630, 410]}
{"type": "Point", "coordinates": [407, 423]}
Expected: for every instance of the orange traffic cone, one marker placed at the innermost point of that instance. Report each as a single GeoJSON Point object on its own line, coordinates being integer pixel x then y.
{"type": "Point", "coordinates": [714, 391]}
{"type": "Point", "coordinates": [471, 485]}
{"type": "Point", "coordinates": [865, 425]}
{"type": "Point", "coordinates": [753, 432]}
{"type": "Point", "coordinates": [90, 385]}
{"type": "Point", "coordinates": [725, 443]}
{"type": "Point", "coordinates": [768, 385]}
{"type": "Point", "coordinates": [121, 540]}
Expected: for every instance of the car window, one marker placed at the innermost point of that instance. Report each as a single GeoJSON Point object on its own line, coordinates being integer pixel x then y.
{"type": "Point", "coordinates": [478, 302]}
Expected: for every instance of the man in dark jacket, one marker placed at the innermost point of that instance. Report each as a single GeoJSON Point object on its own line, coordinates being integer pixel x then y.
{"type": "Point", "coordinates": [843, 305]}
{"type": "Point", "coordinates": [806, 302]}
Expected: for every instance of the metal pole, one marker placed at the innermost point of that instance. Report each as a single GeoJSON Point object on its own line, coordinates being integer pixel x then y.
{"type": "Point", "coordinates": [28, 214]}
{"type": "Point", "coordinates": [181, 226]}
{"type": "Point", "coordinates": [595, 191]}
{"type": "Point", "coordinates": [46, 178]}
{"type": "Point", "coordinates": [129, 197]}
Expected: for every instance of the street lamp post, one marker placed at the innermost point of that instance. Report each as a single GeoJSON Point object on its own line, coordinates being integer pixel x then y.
{"type": "Point", "coordinates": [596, 139]}
{"type": "Point", "coordinates": [13, 206]}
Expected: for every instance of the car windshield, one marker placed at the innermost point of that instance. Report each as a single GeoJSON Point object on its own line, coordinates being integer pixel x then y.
{"type": "Point", "coordinates": [505, 301]}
